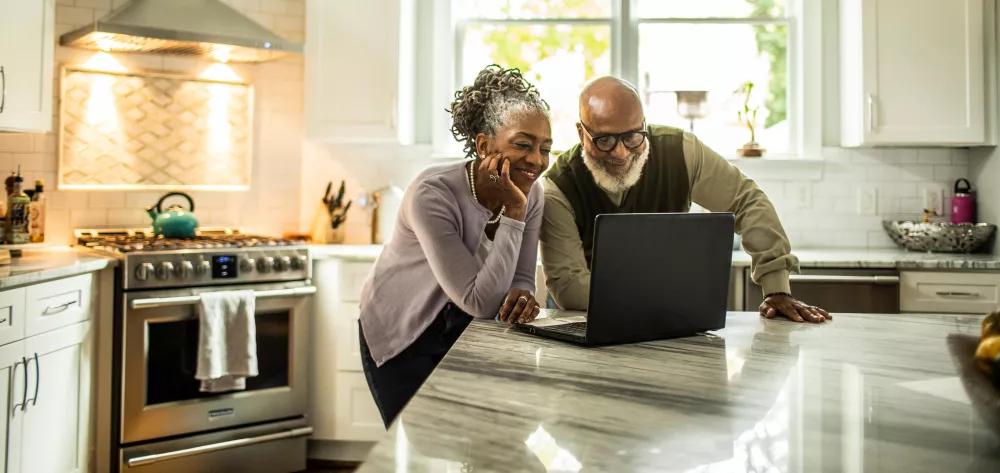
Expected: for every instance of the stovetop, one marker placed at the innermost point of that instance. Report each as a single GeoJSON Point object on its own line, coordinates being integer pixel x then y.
{"type": "Point", "coordinates": [221, 256]}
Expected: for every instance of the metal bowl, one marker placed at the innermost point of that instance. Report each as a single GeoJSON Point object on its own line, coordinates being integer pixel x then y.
{"type": "Point", "coordinates": [939, 237]}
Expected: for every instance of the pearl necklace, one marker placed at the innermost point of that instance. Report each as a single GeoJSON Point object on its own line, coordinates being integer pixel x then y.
{"type": "Point", "coordinates": [472, 185]}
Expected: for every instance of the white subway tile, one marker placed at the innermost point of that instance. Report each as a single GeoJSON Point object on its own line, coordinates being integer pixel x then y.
{"type": "Point", "coordinates": [141, 199]}
{"type": "Point", "coordinates": [88, 218]}
{"type": "Point", "coordinates": [898, 189]}
{"type": "Point", "coordinates": [67, 3]}
{"type": "Point", "coordinates": [960, 156]}
{"type": "Point", "coordinates": [57, 227]}
{"type": "Point", "coordinates": [834, 239]}
{"type": "Point", "coordinates": [934, 156]}
{"type": "Point", "coordinates": [107, 200]}
{"type": "Point", "coordinates": [17, 142]}
{"type": "Point", "coordinates": [128, 217]}
{"type": "Point", "coordinates": [888, 205]}
{"type": "Point", "coordinates": [880, 240]}
{"type": "Point", "coordinates": [865, 155]}
{"type": "Point", "coordinates": [913, 205]}
{"type": "Point", "coordinates": [950, 173]}
{"type": "Point", "coordinates": [916, 172]}
{"type": "Point", "coordinates": [899, 155]}
{"type": "Point", "coordinates": [264, 19]}
{"type": "Point", "coordinates": [297, 7]}
{"type": "Point", "coordinates": [245, 6]}
{"type": "Point", "coordinates": [293, 24]}
{"type": "Point", "coordinates": [883, 172]}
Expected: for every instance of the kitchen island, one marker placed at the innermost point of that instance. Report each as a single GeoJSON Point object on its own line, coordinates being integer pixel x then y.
{"type": "Point", "coordinates": [860, 393]}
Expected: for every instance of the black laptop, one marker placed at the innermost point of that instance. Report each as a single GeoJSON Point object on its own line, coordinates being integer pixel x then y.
{"type": "Point", "coordinates": [652, 277]}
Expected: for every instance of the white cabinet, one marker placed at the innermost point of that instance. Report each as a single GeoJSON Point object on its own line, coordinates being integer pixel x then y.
{"type": "Point", "coordinates": [913, 72]}
{"type": "Point", "coordinates": [342, 408]}
{"type": "Point", "coordinates": [26, 64]}
{"type": "Point", "coordinates": [360, 70]}
{"type": "Point", "coordinates": [948, 292]}
{"type": "Point", "coordinates": [54, 437]}
{"type": "Point", "coordinates": [12, 396]}
{"type": "Point", "coordinates": [45, 379]}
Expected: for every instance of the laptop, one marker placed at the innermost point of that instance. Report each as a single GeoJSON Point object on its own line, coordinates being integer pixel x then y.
{"type": "Point", "coordinates": [653, 277]}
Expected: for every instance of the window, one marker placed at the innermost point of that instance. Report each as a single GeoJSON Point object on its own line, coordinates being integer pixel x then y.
{"type": "Point", "coordinates": [688, 59]}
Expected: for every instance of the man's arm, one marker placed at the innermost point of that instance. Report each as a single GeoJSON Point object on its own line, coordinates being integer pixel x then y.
{"type": "Point", "coordinates": [566, 275]}
{"type": "Point", "coordinates": [719, 186]}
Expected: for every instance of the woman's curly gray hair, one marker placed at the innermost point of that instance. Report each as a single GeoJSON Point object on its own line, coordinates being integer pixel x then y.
{"type": "Point", "coordinates": [483, 107]}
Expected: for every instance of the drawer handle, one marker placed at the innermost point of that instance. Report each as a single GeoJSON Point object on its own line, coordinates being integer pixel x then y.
{"type": "Point", "coordinates": [55, 309]}
{"type": "Point", "coordinates": [3, 320]}
{"type": "Point", "coordinates": [957, 294]}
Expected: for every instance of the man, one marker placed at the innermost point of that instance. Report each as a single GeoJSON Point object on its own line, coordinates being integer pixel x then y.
{"type": "Point", "coordinates": [623, 165]}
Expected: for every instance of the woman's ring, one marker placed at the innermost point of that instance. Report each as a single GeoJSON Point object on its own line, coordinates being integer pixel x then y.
{"type": "Point", "coordinates": [525, 299]}
{"type": "Point", "coordinates": [494, 178]}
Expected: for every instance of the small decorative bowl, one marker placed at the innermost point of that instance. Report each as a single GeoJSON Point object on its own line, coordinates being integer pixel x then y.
{"type": "Point", "coordinates": [939, 237]}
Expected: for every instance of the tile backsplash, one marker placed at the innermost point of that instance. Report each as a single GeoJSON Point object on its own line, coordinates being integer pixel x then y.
{"type": "Point", "coordinates": [272, 202]}
{"type": "Point", "coordinates": [815, 213]}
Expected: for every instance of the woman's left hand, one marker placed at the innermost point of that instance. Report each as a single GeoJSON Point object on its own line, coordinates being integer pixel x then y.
{"type": "Point", "coordinates": [519, 308]}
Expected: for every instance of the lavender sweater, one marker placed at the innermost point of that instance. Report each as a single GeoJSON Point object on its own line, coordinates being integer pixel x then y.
{"type": "Point", "coordinates": [431, 259]}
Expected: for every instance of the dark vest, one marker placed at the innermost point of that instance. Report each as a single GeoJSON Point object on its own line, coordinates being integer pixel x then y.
{"type": "Point", "coordinates": [663, 187]}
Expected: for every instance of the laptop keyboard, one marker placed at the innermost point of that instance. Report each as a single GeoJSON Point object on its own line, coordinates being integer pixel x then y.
{"type": "Point", "coordinates": [574, 328]}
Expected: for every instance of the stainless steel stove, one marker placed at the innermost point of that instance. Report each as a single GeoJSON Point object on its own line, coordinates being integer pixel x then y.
{"type": "Point", "coordinates": [214, 257]}
{"type": "Point", "coordinates": [163, 422]}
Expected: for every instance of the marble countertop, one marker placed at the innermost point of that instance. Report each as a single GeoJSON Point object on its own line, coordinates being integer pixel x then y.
{"type": "Point", "coordinates": [860, 393]}
{"type": "Point", "coordinates": [808, 258]}
{"type": "Point", "coordinates": [36, 266]}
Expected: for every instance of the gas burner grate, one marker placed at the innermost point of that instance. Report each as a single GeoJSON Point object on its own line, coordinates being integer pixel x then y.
{"type": "Point", "coordinates": [130, 241]}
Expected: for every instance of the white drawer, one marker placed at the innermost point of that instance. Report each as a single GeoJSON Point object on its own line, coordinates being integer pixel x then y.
{"type": "Point", "coordinates": [12, 303]}
{"type": "Point", "coordinates": [352, 280]}
{"type": "Point", "coordinates": [950, 293]}
{"type": "Point", "coordinates": [347, 337]}
{"type": "Point", "coordinates": [57, 304]}
{"type": "Point", "coordinates": [357, 415]}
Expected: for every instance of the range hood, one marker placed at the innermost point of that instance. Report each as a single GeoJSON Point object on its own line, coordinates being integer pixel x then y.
{"type": "Point", "coordinates": [204, 28]}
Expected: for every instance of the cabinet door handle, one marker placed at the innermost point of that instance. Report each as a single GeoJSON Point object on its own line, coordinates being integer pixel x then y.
{"type": "Point", "coordinates": [13, 375]}
{"type": "Point", "coordinates": [871, 113]}
{"type": "Point", "coordinates": [3, 320]}
{"type": "Point", "coordinates": [957, 294]}
{"type": "Point", "coordinates": [24, 393]}
{"type": "Point", "coordinates": [55, 309]}
{"type": "Point", "coordinates": [38, 377]}
{"type": "Point", "coordinates": [3, 89]}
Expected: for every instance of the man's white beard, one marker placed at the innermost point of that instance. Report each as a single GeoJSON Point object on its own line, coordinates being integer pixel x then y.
{"type": "Point", "coordinates": [617, 183]}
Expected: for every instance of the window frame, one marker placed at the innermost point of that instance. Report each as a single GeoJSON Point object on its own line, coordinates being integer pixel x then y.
{"type": "Point", "coordinates": [804, 26]}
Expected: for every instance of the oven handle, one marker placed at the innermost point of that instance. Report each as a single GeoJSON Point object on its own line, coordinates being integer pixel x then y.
{"type": "Point", "coordinates": [215, 447]}
{"type": "Point", "coordinates": [188, 300]}
{"type": "Point", "coordinates": [824, 279]}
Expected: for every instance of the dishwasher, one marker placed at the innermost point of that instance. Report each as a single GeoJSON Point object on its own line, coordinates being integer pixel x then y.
{"type": "Point", "coordinates": [845, 290]}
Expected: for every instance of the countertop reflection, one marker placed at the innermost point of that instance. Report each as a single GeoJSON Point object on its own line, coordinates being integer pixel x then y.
{"type": "Point", "coordinates": [55, 262]}
{"type": "Point", "coordinates": [862, 393]}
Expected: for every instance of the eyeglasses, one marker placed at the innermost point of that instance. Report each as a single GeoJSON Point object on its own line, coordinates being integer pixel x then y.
{"type": "Point", "coordinates": [606, 143]}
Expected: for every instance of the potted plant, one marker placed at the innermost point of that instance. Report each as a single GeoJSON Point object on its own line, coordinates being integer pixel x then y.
{"type": "Point", "coordinates": [748, 117]}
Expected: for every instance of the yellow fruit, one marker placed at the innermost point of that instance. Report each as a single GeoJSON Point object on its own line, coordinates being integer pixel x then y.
{"type": "Point", "coordinates": [991, 325]}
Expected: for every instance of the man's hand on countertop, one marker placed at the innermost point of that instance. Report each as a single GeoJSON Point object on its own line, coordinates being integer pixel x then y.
{"type": "Point", "coordinates": [783, 304]}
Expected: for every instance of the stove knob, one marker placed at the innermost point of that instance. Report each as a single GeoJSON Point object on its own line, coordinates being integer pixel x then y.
{"type": "Point", "coordinates": [164, 269]}
{"type": "Point", "coordinates": [283, 264]}
{"type": "Point", "coordinates": [185, 269]}
{"type": "Point", "coordinates": [143, 271]}
{"type": "Point", "coordinates": [247, 265]}
{"type": "Point", "coordinates": [265, 265]}
{"type": "Point", "coordinates": [203, 268]}
{"type": "Point", "coordinates": [299, 262]}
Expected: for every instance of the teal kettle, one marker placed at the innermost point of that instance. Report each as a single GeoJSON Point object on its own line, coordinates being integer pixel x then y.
{"type": "Point", "coordinates": [175, 222]}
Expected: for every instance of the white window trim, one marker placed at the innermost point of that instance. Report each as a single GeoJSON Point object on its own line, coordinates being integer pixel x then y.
{"type": "Point", "coordinates": [804, 85]}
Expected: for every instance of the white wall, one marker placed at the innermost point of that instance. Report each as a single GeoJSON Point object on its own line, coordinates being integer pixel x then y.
{"type": "Point", "coordinates": [271, 204]}
{"type": "Point", "coordinates": [827, 218]}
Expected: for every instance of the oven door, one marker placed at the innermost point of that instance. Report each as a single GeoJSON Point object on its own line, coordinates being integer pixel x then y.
{"type": "Point", "coordinates": [160, 395]}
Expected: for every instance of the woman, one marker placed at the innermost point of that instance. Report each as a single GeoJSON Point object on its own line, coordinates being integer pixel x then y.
{"type": "Point", "coordinates": [465, 243]}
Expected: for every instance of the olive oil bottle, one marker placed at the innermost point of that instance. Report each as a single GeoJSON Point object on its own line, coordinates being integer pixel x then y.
{"type": "Point", "coordinates": [17, 213]}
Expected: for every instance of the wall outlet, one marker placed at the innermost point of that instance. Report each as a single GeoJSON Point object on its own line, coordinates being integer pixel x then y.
{"type": "Point", "coordinates": [933, 199]}
{"type": "Point", "coordinates": [867, 201]}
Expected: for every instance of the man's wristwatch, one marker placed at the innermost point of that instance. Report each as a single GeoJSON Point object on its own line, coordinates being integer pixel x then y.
{"type": "Point", "coordinates": [778, 294]}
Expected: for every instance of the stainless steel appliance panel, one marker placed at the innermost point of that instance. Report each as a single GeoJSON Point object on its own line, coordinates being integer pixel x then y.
{"type": "Point", "coordinates": [872, 291]}
{"type": "Point", "coordinates": [160, 396]}
{"type": "Point", "coordinates": [270, 448]}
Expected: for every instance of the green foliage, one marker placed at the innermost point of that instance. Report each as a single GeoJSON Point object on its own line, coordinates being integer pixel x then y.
{"type": "Point", "coordinates": [748, 116]}
{"type": "Point", "coordinates": [522, 46]}
{"type": "Point", "coordinates": [773, 41]}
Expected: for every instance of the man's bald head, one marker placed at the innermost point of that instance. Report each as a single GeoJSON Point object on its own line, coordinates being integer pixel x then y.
{"type": "Point", "coordinates": [609, 104]}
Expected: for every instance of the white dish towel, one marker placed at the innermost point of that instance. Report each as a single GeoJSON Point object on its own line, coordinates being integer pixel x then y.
{"type": "Point", "coordinates": [227, 340]}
